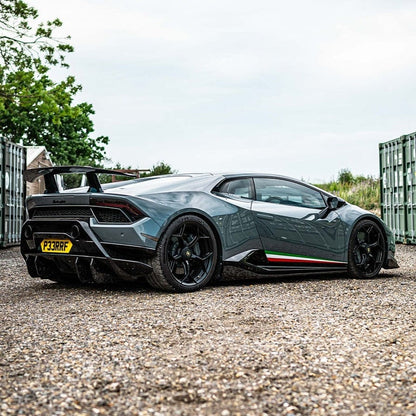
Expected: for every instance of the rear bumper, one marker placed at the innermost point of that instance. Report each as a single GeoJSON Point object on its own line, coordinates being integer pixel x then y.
{"type": "Point", "coordinates": [89, 260]}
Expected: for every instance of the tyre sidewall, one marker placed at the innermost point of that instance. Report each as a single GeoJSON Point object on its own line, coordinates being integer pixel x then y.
{"type": "Point", "coordinates": [164, 275]}
{"type": "Point", "coordinates": [353, 269]}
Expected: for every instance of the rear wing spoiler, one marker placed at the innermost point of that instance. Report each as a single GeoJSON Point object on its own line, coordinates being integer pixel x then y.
{"type": "Point", "coordinates": [51, 184]}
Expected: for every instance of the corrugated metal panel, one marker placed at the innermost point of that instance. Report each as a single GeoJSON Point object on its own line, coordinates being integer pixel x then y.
{"type": "Point", "coordinates": [13, 163]}
{"type": "Point", "coordinates": [410, 185]}
{"type": "Point", "coordinates": [398, 186]}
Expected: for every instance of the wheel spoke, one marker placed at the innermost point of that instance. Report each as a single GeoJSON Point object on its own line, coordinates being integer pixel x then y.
{"type": "Point", "coordinates": [174, 252]}
{"type": "Point", "coordinates": [172, 265]}
{"type": "Point", "coordinates": [202, 258]}
{"type": "Point", "coordinates": [175, 263]}
{"type": "Point", "coordinates": [357, 253]}
{"type": "Point", "coordinates": [186, 270]}
{"type": "Point", "coordinates": [192, 243]}
{"type": "Point", "coordinates": [369, 231]}
{"type": "Point", "coordinates": [378, 258]}
{"type": "Point", "coordinates": [375, 261]}
{"type": "Point", "coordinates": [374, 245]}
{"type": "Point", "coordinates": [362, 261]}
{"type": "Point", "coordinates": [181, 232]}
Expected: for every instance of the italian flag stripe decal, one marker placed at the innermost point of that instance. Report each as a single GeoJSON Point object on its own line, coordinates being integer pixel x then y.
{"type": "Point", "coordinates": [276, 257]}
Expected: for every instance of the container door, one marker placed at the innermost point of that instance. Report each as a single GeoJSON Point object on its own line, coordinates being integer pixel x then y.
{"type": "Point", "coordinates": [14, 192]}
{"type": "Point", "coordinates": [398, 187]}
{"type": "Point", "coordinates": [392, 187]}
{"type": "Point", "coordinates": [410, 185]}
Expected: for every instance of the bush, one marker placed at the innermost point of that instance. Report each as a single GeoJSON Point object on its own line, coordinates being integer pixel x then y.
{"type": "Point", "coordinates": [358, 190]}
{"type": "Point", "coordinates": [345, 176]}
{"type": "Point", "coordinates": [161, 168]}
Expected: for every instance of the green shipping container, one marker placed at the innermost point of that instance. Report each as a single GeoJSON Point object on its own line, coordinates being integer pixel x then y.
{"type": "Point", "coordinates": [12, 192]}
{"type": "Point", "coordinates": [398, 186]}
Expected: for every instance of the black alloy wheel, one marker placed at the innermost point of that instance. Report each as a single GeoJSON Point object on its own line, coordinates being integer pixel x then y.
{"type": "Point", "coordinates": [186, 257]}
{"type": "Point", "coordinates": [367, 250]}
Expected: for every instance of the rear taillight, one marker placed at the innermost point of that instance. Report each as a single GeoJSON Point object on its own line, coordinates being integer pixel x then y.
{"type": "Point", "coordinates": [130, 210]}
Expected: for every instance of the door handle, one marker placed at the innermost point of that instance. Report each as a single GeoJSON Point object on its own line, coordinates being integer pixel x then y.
{"type": "Point", "coordinates": [265, 216]}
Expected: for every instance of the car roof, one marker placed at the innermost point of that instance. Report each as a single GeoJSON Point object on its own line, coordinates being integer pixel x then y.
{"type": "Point", "coordinates": [186, 182]}
{"type": "Point", "coordinates": [164, 183]}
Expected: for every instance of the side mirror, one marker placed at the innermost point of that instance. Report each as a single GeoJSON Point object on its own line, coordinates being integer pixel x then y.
{"type": "Point", "coordinates": [333, 203]}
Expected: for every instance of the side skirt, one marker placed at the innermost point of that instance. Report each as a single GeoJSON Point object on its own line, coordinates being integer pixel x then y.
{"type": "Point", "coordinates": [233, 271]}
{"type": "Point", "coordinates": [284, 269]}
{"type": "Point", "coordinates": [260, 263]}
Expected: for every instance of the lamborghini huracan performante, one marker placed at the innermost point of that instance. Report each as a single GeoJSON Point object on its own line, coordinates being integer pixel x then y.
{"type": "Point", "coordinates": [182, 231]}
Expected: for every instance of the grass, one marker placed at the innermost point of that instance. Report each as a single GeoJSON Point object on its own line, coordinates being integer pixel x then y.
{"type": "Point", "coordinates": [361, 191]}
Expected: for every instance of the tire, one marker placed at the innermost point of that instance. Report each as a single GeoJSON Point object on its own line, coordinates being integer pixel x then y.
{"type": "Point", "coordinates": [366, 250]}
{"type": "Point", "coordinates": [186, 257]}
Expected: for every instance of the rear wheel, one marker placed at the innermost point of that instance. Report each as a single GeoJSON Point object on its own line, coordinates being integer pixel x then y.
{"type": "Point", "coordinates": [187, 256]}
{"type": "Point", "coordinates": [367, 250]}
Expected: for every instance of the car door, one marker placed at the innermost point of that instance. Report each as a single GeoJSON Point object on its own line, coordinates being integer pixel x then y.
{"type": "Point", "coordinates": [295, 226]}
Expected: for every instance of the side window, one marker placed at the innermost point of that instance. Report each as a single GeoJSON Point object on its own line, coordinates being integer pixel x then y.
{"type": "Point", "coordinates": [279, 191]}
{"type": "Point", "coordinates": [237, 187]}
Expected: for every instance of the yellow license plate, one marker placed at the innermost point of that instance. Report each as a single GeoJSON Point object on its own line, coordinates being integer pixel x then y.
{"type": "Point", "coordinates": [49, 245]}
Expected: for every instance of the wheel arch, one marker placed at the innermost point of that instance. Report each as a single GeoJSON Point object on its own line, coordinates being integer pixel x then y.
{"type": "Point", "coordinates": [203, 215]}
{"type": "Point", "coordinates": [374, 218]}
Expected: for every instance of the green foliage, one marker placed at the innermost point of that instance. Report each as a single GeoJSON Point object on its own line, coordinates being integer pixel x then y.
{"type": "Point", "coordinates": [34, 108]}
{"type": "Point", "coordinates": [358, 190]}
{"type": "Point", "coordinates": [345, 176]}
{"type": "Point", "coordinates": [71, 180]}
{"type": "Point", "coordinates": [26, 44]}
{"type": "Point", "coordinates": [161, 168]}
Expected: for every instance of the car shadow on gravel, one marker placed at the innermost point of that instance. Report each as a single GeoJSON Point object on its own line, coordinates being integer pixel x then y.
{"type": "Point", "coordinates": [143, 287]}
{"type": "Point", "coordinates": [298, 279]}
{"type": "Point", "coordinates": [97, 287]}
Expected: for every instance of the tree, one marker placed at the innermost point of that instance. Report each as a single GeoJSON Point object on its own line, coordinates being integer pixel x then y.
{"type": "Point", "coordinates": [34, 108]}
{"type": "Point", "coordinates": [161, 168]}
{"type": "Point", "coordinates": [23, 47]}
{"type": "Point", "coordinates": [345, 176]}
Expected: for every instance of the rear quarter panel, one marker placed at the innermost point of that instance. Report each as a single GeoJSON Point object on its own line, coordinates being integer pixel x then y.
{"type": "Point", "coordinates": [233, 225]}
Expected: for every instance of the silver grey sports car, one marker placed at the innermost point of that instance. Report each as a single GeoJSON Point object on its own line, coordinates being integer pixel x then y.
{"type": "Point", "coordinates": [181, 232]}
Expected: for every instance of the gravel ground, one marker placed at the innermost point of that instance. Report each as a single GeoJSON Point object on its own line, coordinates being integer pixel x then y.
{"type": "Point", "coordinates": [327, 346]}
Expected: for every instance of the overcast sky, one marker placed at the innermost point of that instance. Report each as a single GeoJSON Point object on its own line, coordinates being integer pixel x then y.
{"type": "Point", "coordinates": [302, 88]}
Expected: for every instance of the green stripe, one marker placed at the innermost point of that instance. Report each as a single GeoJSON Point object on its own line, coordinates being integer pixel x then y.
{"type": "Point", "coordinates": [296, 255]}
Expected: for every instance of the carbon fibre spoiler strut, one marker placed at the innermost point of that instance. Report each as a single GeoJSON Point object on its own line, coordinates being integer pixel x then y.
{"type": "Point", "coordinates": [51, 184]}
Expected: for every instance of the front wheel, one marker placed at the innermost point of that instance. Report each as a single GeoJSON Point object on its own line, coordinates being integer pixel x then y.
{"type": "Point", "coordinates": [367, 250]}
{"type": "Point", "coordinates": [187, 256]}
